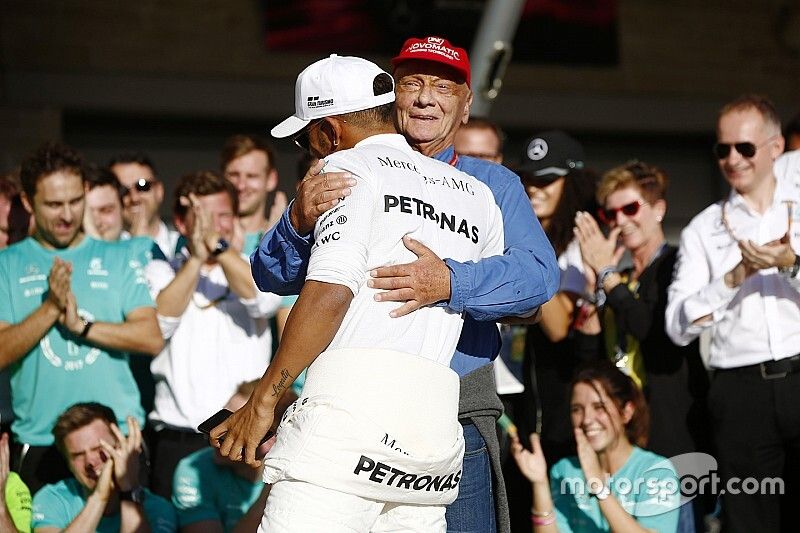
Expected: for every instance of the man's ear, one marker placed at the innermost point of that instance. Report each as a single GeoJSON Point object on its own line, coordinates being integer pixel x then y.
{"type": "Point", "coordinates": [180, 224]}
{"type": "Point", "coordinates": [467, 106]}
{"type": "Point", "coordinates": [776, 147]}
{"type": "Point", "coordinates": [272, 180]}
{"type": "Point", "coordinates": [332, 130]}
{"type": "Point", "coordinates": [159, 191]}
{"type": "Point", "coordinates": [26, 203]}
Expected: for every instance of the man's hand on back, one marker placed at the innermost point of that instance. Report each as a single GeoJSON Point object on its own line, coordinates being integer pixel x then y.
{"type": "Point", "coordinates": [316, 194]}
{"type": "Point", "coordinates": [424, 282]}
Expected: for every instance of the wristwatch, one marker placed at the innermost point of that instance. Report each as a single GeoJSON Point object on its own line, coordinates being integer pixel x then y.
{"type": "Point", "coordinates": [87, 325]}
{"type": "Point", "coordinates": [135, 495]}
{"type": "Point", "coordinates": [222, 246]}
{"type": "Point", "coordinates": [791, 270]}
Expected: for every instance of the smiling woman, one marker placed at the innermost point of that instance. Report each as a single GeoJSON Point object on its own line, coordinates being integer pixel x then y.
{"type": "Point", "coordinates": [612, 484]}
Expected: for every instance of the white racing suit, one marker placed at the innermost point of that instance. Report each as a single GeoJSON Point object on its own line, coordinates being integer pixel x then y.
{"type": "Point", "coordinates": [375, 432]}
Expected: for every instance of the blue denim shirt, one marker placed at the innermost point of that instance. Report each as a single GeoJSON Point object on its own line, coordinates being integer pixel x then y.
{"type": "Point", "coordinates": [513, 284]}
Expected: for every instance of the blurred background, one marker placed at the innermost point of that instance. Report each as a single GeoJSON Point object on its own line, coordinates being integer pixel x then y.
{"type": "Point", "coordinates": [630, 79]}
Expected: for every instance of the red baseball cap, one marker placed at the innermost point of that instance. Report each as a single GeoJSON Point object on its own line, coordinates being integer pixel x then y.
{"type": "Point", "coordinates": [435, 49]}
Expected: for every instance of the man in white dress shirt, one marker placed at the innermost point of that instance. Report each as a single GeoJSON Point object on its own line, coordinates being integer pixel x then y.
{"type": "Point", "coordinates": [737, 275]}
{"type": "Point", "coordinates": [214, 320]}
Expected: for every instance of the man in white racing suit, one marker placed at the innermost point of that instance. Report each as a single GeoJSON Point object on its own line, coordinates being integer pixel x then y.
{"type": "Point", "coordinates": [373, 443]}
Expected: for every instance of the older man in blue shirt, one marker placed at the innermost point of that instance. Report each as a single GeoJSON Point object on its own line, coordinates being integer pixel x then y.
{"type": "Point", "coordinates": [433, 99]}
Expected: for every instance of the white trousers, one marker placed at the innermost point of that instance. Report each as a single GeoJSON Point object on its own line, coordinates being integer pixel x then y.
{"type": "Point", "coordinates": [299, 507]}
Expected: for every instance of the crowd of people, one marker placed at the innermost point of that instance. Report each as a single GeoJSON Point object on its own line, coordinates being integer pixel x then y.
{"type": "Point", "coordinates": [465, 340]}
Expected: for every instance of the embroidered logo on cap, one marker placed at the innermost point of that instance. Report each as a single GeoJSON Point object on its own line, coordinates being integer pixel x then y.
{"type": "Point", "coordinates": [435, 40]}
{"type": "Point", "coordinates": [537, 149]}
{"type": "Point", "coordinates": [314, 102]}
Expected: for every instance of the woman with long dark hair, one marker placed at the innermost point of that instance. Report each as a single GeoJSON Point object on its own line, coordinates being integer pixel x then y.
{"type": "Point", "coordinates": [612, 484]}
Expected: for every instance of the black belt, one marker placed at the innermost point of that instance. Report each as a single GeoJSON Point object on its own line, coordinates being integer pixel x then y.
{"type": "Point", "coordinates": [774, 369]}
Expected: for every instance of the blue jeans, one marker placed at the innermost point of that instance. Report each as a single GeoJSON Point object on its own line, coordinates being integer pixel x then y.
{"type": "Point", "coordinates": [473, 510]}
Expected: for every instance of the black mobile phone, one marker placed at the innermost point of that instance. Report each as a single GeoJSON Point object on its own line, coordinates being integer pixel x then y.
{"type": "Point", "coordinates": [218, 418]}
{"type": "Point", "coordinates": [213, 421]}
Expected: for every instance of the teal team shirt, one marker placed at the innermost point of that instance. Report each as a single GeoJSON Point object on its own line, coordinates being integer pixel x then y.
{"type": "Point", "coordinates": [646, 486]}
{"type": "Point", "coordinates": [251, 241]}
{"type": "Point", "coordinates": [203, 490]}
{"type": "Point", "coordinates": [57, 505]}
{"type": "Point", "coordinates": [108, 281]}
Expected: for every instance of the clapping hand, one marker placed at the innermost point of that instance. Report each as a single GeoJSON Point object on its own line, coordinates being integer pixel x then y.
{"type": "Point", "coordinates": [59, 282]}
{"type": "Point", "coordinates": [531, 463]}
{"type": "Point", "coordinates": [777, 253]}
{"type": "Point", "coordinates": [597, 250]}
{"type": "Point", "coordinates": [590, 464]}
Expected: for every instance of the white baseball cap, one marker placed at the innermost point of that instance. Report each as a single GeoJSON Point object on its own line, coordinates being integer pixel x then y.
{"type": "Point", "coordinates": [332, 86]}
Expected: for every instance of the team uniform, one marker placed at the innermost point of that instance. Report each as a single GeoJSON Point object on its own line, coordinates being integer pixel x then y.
{"type": "Point", "coordinates": [374, 438]}
{"type": "Point", "coordinates": [204, 490]}
{"type": "Point", "coordinates": [646, 486]}
{"type": "Point", "coordinates": [61, 370]}
{"type": "Point", "coordinates": [57, 505]}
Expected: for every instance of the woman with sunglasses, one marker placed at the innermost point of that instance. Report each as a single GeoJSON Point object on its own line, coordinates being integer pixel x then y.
{"type": "Point", "coordinates": [633, 301]}
{"type": "Point", "coordinates": [612, 484]}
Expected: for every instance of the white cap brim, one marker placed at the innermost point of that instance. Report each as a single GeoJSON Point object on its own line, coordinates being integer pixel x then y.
{"type": "Point", "coordinates": [290, 126]}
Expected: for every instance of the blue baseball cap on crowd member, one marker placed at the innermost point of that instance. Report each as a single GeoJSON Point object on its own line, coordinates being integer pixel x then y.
{"type": "Point", "coordinates": [550, 155]}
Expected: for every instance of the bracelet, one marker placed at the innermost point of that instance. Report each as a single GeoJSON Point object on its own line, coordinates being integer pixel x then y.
{"type": "Point", "coordinates": [87, 324]}
{"type": "Point", "coordinates": [545, 514]}
{"type": "Point", "coordinates": [542, 521]}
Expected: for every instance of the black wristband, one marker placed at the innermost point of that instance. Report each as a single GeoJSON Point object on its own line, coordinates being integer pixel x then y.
{"type": "Point", "coordinates": [87, 325]}
{"type": "Point", "coordinates": [135, 495]}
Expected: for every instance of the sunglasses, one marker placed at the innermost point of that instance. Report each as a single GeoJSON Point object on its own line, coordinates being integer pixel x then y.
{"type": "Point", "coordinates": [141, 185]}
{"type": "Point", "coordinates": [608, 215]}
{"type": "Point", "coordinates": [302, 139]}
{"type": "Point", "coordinates": [745, 149]}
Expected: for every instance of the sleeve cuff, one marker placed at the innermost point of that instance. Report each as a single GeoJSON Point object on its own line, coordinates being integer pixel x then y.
{"type": "Point", "coordinates": [460, 286]}
{"type": "Point", "coordinates": [168, 325]}
{"type": "Point", "coordinates": [712, 297]}
{"type": "Point", "coordinates": [291, 232]}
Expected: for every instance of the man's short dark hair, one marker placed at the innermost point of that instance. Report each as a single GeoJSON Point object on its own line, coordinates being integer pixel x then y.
{"type": "Point", "coordinates": [382, 84]}
{"type": "Point", "coordinates": [239, 145]}
{"type": "Point", "coordinates": [78, 416]}
{"type": "Point", "coordinates": [202, 183]}
{"type": "Point", "coordinates": [49, 158]}
{"type": "Point", "coordinates": [139, 158]}
{"type": "Point", "coordinates": [100, 177]}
